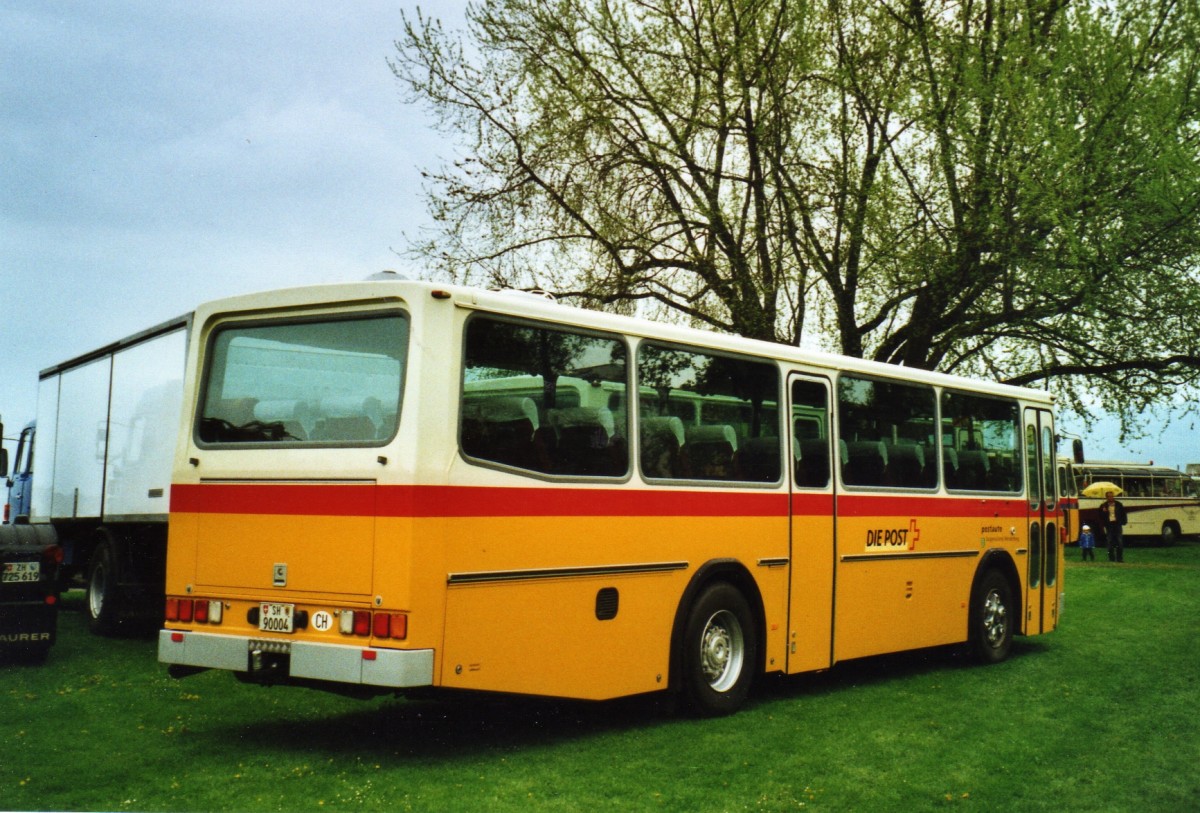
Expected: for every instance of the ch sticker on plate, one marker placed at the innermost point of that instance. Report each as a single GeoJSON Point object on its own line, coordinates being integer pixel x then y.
{"type": "Point", "coordinates": [322, 621]}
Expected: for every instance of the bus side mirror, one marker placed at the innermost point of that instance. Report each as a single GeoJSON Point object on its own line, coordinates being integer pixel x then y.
{"type": "Point", "coordinates": [1077, 450]}
{"type": "Point", "coordinates": [3, 462]}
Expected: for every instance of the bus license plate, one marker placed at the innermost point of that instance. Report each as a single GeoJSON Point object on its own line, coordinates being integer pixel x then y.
{"type": "Point", "coordinates": [274, 617]}
{"type": "Point", "coordinates": [22, 571]}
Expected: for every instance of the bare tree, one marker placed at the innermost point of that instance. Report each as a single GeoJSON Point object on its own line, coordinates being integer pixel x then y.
{"type": "Point", "coordinates": [978, 186]}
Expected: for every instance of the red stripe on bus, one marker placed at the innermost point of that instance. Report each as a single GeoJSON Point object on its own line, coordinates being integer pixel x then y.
{"type": "Point", "coordinates": [274, 498]}
{"type": "Point", "coordinates": [295, 499]}
{"type": "Point", "coordinates": [465, 501]}
{"type": "Point", "coordinates": [479, 501]}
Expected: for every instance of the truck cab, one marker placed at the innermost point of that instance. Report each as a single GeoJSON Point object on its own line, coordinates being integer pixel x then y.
{"type": "Point", "coordinates": [29, 559]}
{"type": "Point", "coordinates": [19, 481]}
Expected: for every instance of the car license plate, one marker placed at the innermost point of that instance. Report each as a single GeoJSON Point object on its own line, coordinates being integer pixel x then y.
{"type": "Point", "coordinates": [22, 571]}
{"type": "Point", "coordinates": [273, 617]}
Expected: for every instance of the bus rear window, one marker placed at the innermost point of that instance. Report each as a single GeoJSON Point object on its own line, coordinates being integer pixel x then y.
{"type": "Point", "coordinates": [330, 382]}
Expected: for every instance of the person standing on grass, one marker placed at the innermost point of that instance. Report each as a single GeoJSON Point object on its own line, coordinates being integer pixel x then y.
{"type": "Point", "coordinates": [1087, 544]}
{"type": "Point", "coordinates": [1112, 520]}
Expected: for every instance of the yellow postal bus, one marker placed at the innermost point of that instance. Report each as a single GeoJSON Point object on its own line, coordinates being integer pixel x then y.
{"type": "Point", "coordinates": [389, 485]}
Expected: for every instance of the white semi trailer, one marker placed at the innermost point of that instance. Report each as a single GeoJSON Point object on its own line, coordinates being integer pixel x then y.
{"type": "Point", "coordinates": [107, 423]}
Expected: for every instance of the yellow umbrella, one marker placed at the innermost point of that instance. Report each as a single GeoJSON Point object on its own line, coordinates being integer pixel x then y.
{"type": "Point", "coordinates": [1101, 489]}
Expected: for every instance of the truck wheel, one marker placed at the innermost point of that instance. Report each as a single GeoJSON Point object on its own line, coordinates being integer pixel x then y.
{"type": "Point", "coordinates": [103, 595]}
{"type": "Point", "coordinates": [720, 650]}
{"type": "Point", "coordinates": [992, 614]}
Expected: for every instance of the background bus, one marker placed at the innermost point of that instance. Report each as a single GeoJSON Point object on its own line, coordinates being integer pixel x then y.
{"type": "Point", "coordinates": [1161, 502]}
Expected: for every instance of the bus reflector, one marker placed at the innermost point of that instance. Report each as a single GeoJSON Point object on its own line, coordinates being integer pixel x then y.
{"type": "Point", "coordinates": [369, 655]}
{"type": "Point", "coordinates": [177, 637]}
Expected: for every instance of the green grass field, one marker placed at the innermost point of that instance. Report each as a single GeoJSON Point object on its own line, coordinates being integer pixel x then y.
{"type": "Point", "coordinates": [1100, 715]}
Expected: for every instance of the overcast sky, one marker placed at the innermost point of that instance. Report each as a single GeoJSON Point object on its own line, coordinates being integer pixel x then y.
{"type": "Point", "coordinates": [155, 155]}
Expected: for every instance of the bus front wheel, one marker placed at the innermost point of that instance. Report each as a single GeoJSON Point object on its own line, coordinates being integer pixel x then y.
{"type": "Point", "coordinates": [992, 618]}
{"type": "Point", "coordinates": [720, 649]}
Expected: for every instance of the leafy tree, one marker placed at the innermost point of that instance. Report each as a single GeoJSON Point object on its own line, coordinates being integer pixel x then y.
{"type": "Point", "coordinates": [978, 186]}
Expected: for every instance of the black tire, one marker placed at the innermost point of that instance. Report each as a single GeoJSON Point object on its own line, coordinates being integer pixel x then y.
{"type": "Point", "coordinates": [720, 651]}
{"type": "Point", "coordinates": [103, 594]}
{"type": "Point", "coordinates": [1170, 534]}
{"type": "Point", "coordinates": [993, 616]}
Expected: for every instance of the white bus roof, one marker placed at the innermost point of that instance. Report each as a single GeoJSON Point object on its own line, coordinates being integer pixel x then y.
{"type": "Point", "coordinates": [544, 309]}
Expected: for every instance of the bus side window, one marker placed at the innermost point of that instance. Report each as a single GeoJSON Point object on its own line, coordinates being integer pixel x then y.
{"type": "Point", "coordinates": [980, 443]}
{"type": "Point", "coordinates": [522, 399]}
{"type": "Point", "coordinates": [887, 428]}
{"type": "Point", "coordinates": [723, 412]}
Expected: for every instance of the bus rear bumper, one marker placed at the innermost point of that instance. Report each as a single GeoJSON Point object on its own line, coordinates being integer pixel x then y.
{"type": "Point", "coordinates": [368, 666]}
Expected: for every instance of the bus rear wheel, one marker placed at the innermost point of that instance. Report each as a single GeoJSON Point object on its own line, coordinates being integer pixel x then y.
{"type": "Point", "coordinates": [720, 649]}
{"type": "Point", "coordinates": [1170, 533]}
{"type": "Point", "coordinates": [992, 618]}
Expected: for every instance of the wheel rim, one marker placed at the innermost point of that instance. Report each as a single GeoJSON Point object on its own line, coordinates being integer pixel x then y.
{"type": "Point", "coordinates": [995, 619]}
{"type": "Point", "coordinates": [722, 651]}
{"type": "Point", "coordinates": [1168, 534]}
{"type": "Point", "coordinates": [96, 590]}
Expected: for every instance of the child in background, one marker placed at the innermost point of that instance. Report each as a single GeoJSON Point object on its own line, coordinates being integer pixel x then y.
{"type": "Point", "coordinates": [1087, 544]}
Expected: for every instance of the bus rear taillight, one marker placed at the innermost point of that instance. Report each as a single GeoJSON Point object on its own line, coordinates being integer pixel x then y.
{"type": "Point", "coordinates": [355, 622]}
{"type": "Point", "coordinates": [390, 625]}
{"type": "Point", "coordinates": [381, 625]}
{"type": "Point", "coordinates": [198, 610]}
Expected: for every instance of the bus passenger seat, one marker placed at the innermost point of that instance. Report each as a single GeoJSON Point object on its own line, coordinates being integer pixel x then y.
{"type": "Point", "coordinates": [506, 427]}
{"type": "Point", "coordinates": [708, 451]}
{"type": "Point", "coordinates": [866, 463]}
{"type": "Point", "coordinates": [950, 467]}
{"type": "Point", "coordinates": [757, 460]}
{"type": "Point", "coordinates": [584, 441]}
{"type": "Point", "coordinates": [661, 441]}
{"type": "Point", "coordinates": [293, 415]}
{"type": "Point", "coordinates": [906, 465]}
{"type": "Point", "coordinates": [972, 469]}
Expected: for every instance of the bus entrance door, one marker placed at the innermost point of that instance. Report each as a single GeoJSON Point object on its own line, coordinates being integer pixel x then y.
{"type": "Point", "coordinates": [810, 611]}
{"type": "Point", "coordinates": [1045, 553]}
